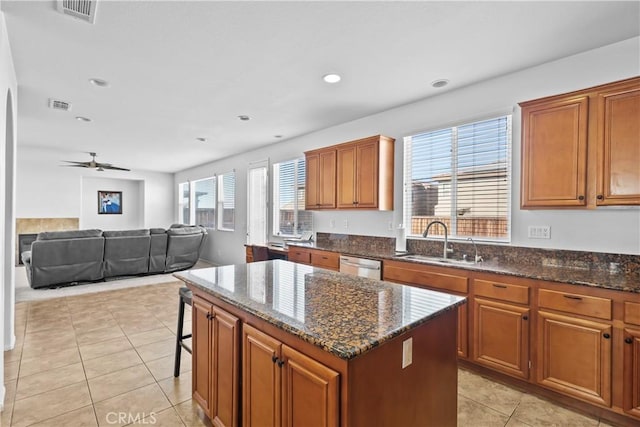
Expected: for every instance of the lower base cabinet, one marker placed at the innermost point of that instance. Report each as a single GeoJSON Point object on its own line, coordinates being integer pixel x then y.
{"type": "Point", "coordinates": [574, 357]}
{"type": "Point", "coordinates": [281, 386]}
{"type": "Point", "coordinates": [632, 371]}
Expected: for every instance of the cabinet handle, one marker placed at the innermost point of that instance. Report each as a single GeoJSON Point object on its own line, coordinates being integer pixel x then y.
{"type": "Point", "coordinates": [274, 359]}
{"type": "Point", "coordinates": [495, 285]}
{"type": "Point", "coordinates": [209, 316]}
{"type": "Point", "coordinates": [628, 340]}
{"type": "Point", "coordinates": [280, 363]}
{"type": "Point", "coordinates": [525, 317]}
{"type": "Point", "coordinates": [606, 336]}
{"type": "Point", "coordinates": [580, 197]}
{"type": "Point", "coordinates": [600, 197]}
{"type": "Point", "coordinates": [324, 257]}
{"type": "Point", "coordinates": [573, 297]}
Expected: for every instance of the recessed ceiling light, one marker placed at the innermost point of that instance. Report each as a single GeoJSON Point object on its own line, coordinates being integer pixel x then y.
{"type": "Point", "coordinates": [201, 139]}
{"type": "Point", "coordinates": [83, 119]}
{"type": "Point", "coordinates": [244, 118]}
{"type": "Point", "coordinates": [331, 78]}
{"type": "Point", "coordinates": [439, 83]}
{"type": "Point", "coordinates": [99, 82]}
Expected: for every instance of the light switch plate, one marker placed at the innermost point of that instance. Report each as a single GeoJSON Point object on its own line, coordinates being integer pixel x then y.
{"type": "Point", "coordinates": [407, 352]}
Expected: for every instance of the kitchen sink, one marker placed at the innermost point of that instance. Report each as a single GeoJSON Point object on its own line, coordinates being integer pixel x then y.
{"type": "Point", "coordinates": [435, 259]}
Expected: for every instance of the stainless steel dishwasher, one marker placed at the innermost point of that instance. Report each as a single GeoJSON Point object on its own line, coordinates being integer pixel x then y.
{"type": "Point", "coordinates": [361, 267]}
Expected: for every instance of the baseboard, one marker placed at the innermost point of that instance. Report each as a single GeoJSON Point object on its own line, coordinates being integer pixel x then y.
{"type": "Point", "coordinates": [2, 394]}
{"type": "Point", "coordinates": [12, 343]}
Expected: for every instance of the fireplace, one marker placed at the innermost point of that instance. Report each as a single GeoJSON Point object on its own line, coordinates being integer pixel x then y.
{"type": "Point", "coordinates": [24, 244]}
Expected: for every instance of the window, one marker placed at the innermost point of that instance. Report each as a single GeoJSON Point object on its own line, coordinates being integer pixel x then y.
{"type": "Point", "coordinates": [204, 196]}
{"type": "Point", "coordinates": [184, 205]}
{"type": "Point", "coordinates": [226, 201]}
{"type": "Point", "coordinates": [460, 176]}
{"type": "Point", "coordinates": [289, 216]}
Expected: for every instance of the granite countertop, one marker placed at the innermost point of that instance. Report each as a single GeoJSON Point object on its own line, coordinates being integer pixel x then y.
{"type": "Point", "coordinates": [582, 274]}
{"type": "Point", "coordinates": [342, 314]}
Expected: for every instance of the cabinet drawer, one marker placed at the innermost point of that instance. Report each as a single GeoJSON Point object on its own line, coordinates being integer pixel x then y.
{"type": "Point", "coordinates": [431, 279]}
{"type": "Point", "coordinates": [330, 260]}
{"type": "Point", "coordinates": [502, 291]}
{"type": "Point", "coordinates": [298, 255]}
{"type": "Point", "coordinates": [632, 313]}
{"type": "Point", "coordinates": [575, 303]}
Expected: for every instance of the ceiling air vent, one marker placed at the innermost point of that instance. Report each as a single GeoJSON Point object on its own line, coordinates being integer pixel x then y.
{"type": "Point", "coordinates": [81, 9]}
{"type": "Point", "coordinates": [56, 104]}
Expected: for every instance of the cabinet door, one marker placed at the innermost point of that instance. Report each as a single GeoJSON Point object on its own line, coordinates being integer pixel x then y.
{"type": "Point", "coordinates": [619, 152]}
{"type": "Point", "coordinates": [302, 256]}
{"type": "Point", "coordinates": [501, 334]}
{"type": "Point", "coordinates": [554, 153]}
{"type": "Point", "coordinates": [312, 181]}
{"type": "Point", "coordinates": [346, 185]}
{"type": "Point", "coordinates": [463, 334]}
{"type": "Point", "coordinates": [310, 392]}
{"type": "Point", "coordinates": [367, 175]}
{"type": "Point", "coordinates": [224, 378]}
{"type": "Point", "coordinates": [261, 389]}
{"type": "Point", "coordinates": [201, 353]}
{"type": "Point", "coordinates": [631, 381]}
{"type": "Point", "coordinates": [327, 181]}
{"type": "Point", "coordinates": [574, 357]}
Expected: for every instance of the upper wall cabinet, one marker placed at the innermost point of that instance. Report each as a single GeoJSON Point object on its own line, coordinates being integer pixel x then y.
{"type": "Point", "coordinates": [353, 175]}
{"type": "Point", "coordinates": [582, 149]}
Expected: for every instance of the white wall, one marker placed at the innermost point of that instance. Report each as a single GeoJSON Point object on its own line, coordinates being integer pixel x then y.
{"type": "Point", "coordinates": [47, 190]}
{"type": "Point", "coordinates": [8, 84]}
{"type": "Point", "coordinates": [132, 216]}
{"type": "Point", "coordinates": [614, 230]}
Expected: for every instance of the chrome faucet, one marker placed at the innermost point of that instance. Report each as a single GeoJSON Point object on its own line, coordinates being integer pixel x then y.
{"type": "Point", "coordinates": [476, 258]}
{"type": "Point", "coordinates": [447, 249]}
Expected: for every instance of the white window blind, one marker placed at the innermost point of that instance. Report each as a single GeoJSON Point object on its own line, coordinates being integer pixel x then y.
{"type": "Point", "coordinates": [204, 196]}
{"type": "Point", "coordinates": [184, 205]}
{"type": "Point", "coordinates": [226, 201]}
{"type": "Point", "coordinates": [460, 176]}
{"type": "Point", "coordinates": [289, 216]}
{"type": "Point", "coordinates": [257, 212]}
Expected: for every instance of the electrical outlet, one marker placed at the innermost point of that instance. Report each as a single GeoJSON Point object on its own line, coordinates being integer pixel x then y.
{"type": "Point", "coordinates": [539, 232]}
{"type": "Point", "coordinates": [407, 352]}
{"type": "Point", "coordinates": [346, 223]}
{"type": "Point", "coordinates": [332, 223]}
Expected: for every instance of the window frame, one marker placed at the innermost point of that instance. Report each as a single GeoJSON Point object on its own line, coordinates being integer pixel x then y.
{"type": "Point", "coordinates": [407, 184]}
{"type": "Point", "coordinates": [221, 201]}
{"type": "Point", "coordinates": [193, 202]}
{"type": "Point", "coordinates": [298, 184]}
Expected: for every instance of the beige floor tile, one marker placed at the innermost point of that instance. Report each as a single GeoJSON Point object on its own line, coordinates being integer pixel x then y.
{"type": "Point", "coordinates": [111, 363]}
{"type": "Point", "coordinates": [5, 416]}
{"type": "Point", "coordinates": [13, 355]}
{"type": "Point", "coordinates": [135, 405]}
{"type": "Point", "coordinates": [11, 370]}
{"type": "Point", "coordinates": [489, 393]}
{"type": "Point", "coordinates": [92, 325]}
{"type": "Point", "coordinates": [83, 417]}
{"type": "Point", "coordinates": [539, 412]}
{"type": "Point", "coordinates": [49, 380]}
{"type": "Point", "coordinates": [37, 346]}
{"type": "Point", "coordinates": [517, 423]}
{"type": "Point", "coordinates": [99, 335]}
{"type": "Point", "coordinates": [473, 414]}
{"type": "Point", "coordinates": [151, 336]}
{"type": "Point", "coordinates": [166, 418]}
{"type": "Point", "coordinates": [177, 390]}
{"type": "Point", "coordinates": [103, 348]}
{"type": "Point", "coordinates": [192, 415]}
{"type": "Point", "coordinates": [157, 350]}
{"type": "Point", "coordinates": [163, 368]}
{"type": "Point", "coordinates": [48, 325]}
{"type": "Point", "coordinates": [50, 404]}
{"type": "Point", "coordinates": [148, 324]}
{"type": "Point", "coordinates": [47, 361]}
{"type": "Point", "coordinates": [118, 382]}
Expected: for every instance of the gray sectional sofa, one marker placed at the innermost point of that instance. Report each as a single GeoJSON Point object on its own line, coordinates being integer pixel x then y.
{"type": "Point", "coordinates": [66, 257]}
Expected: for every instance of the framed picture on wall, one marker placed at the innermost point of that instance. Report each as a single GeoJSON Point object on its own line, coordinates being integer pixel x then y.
{"type": "Point", "coordinates": [110, 202]}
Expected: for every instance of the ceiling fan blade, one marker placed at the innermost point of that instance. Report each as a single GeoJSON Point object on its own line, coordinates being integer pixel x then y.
{"type": "Point", "coordinates": [75, 166]}
{"type": "Point", "coordinates": [85, 164]}
{"type": "Point", "coordinates": [104, 166]}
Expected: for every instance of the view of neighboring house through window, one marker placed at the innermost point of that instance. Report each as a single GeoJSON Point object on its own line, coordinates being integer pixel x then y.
{"type": "Point", "coordinates": [226, 201]}
{"type": "Point", "coordinates": [257, 192]}
{"type": "Point", "coordinates": [460, 176]}
{"type": "Point", "coordinates": [204, 196]}
{"type": "Point", "coordinates": [184, 204]}
{"type": "Point", "coordinates": [289, 216]}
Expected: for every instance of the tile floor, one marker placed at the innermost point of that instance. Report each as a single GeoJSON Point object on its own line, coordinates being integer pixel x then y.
{"type": "Point", "coordinates": [107, 359]}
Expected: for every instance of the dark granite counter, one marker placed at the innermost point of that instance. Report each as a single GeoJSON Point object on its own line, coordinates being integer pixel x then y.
{"type": "Point", "coordinates": [342, 314]}
{"type": "Point", "coordinates": [607, 271]}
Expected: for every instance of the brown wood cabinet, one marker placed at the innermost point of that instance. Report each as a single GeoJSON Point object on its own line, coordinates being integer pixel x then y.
{"type": "Point", "coordinates": [582, 149]}
{"type": "Point", "coordinates": [316, 257]}
{"type": "Point", "coordinates": [439, 279]}
{"type": "Point", "coordinates": [215, 370]}
{"type": "Point", "coordinates": [320, 186]}
{"type": "Point", "coordinates": [631, 368]}
{"type": "Point", "coordinates": [354, 175]}
{"type": "Point", "coordinates": [282, 386]}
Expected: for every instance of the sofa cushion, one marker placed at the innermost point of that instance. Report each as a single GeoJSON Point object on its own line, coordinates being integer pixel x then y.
{"type": "Point", "coordinates": [71, 234]}
{"type": "Point", "coordinates": [26, 257]}
{"type": "Point", "coordinates": [187, 230]}
{"type": "Point", "coordinates": [157, 231]}
{"type": "Point", "coordinates": [126, 233]}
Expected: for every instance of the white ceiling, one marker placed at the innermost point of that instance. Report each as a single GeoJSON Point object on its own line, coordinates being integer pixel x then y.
{"type": "Point", "coordinates": [182, 70]}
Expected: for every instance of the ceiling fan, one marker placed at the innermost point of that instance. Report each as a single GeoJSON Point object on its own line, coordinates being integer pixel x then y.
{"type": "Point", "coordinates": [100, 167]}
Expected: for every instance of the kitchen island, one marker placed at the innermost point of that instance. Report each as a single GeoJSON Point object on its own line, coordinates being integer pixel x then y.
{"type": "Point", "coordinates": [279, 343]}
